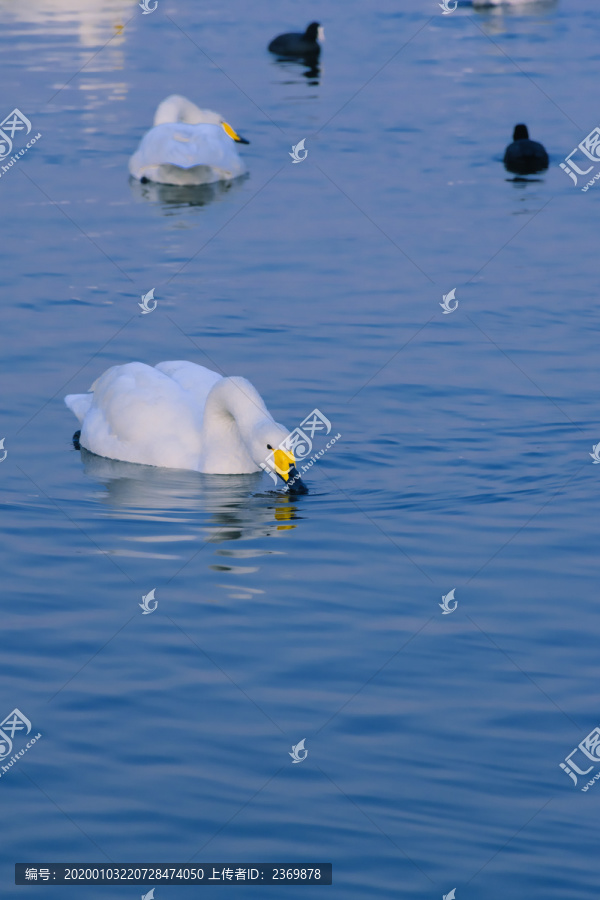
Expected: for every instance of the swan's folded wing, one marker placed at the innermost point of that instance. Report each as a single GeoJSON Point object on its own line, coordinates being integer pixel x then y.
{"type": "Point", "coordinates": [141, 415]}
{"type": "Point", "coordinates": [197, 380]}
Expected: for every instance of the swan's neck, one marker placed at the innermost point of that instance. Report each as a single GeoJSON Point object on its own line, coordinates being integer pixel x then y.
{"type": "Point", "coordinates": [234, 416]}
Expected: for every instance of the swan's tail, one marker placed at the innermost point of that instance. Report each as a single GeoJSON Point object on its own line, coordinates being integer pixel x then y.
{"type": "Point", "coordinates": [79, 404]}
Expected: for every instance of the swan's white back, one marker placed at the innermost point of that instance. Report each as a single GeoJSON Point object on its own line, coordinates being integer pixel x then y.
{"type": "Point", "coordinates": [203, 154]}
{"type": "Point", "coordinates": [177, 415]}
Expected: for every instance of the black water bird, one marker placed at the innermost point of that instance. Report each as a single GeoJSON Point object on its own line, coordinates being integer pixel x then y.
{"type": "Point", "coordinates": [299, 45]}
{"type": "Point", "coordinates": [523, 156]}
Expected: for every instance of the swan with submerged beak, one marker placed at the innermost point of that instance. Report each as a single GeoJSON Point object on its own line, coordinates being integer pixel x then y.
{"type": "Point", "coordinates": [180, 415]}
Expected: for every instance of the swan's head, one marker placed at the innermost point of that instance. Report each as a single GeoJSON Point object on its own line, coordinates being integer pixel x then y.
{"type": "Point", "coordinates": [269, 444]}
{"type": "Point", "coordinates": [179, 109]}
{"type": "Point", "coordinates": [284, 462]}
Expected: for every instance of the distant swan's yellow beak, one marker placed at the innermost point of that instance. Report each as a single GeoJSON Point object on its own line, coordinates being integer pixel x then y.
{"type": "Point", "coordinates": [283, 460]}
{"type": "Point", "coordinates": [233, 134]}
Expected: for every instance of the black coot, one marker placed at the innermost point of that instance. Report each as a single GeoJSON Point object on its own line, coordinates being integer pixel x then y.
{"type": "Point", "coordinates": [298, 44]}
{"type": "Point", "coordinates": [525, 157]}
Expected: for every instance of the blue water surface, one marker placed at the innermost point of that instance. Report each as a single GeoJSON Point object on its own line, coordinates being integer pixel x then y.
{"type": "Point", "coordinates": [434, 741]}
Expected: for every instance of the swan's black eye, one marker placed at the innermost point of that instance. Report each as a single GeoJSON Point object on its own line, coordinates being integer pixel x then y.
{"type": "Point", "coordinates": [269, 447]}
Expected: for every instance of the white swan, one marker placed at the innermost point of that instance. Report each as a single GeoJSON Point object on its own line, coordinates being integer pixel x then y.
{"type": "Point", "coordinates": [181, 416]}
{"type": "Point", "coordinates": [483, 3]}
{"type": "Point", "coordinates": [187, 145]}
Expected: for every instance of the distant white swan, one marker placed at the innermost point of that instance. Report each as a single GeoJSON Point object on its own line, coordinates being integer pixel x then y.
{"type": "Point", "coordinates": [187, 145]}
{"type": "Point", "coordinates": [482, 3]}
{"type": "Point", "coordinates": [181, 416]}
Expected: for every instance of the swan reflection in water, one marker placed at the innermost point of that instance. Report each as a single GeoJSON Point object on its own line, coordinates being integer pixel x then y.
{"type": "Point", "coordinates": [215, 508]}
{"type": "Point", "coordinates": [498, 15]}
{"type": "Point", "coordinates": [174, 196]}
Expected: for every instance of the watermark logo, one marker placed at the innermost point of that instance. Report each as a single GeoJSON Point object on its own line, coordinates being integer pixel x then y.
{"type": "Point", "coordinates": [145, 305]}
{"type": "Point", "coordinates": [448, 298]}
{"type": "Point", "coordinates": [14, 121]}
{"type": "Point", "coordinates": [451, 895]}
{"type": "Point", "coordinates": [590, 748]}
{"type": "Point", "coordinates": [595, 455]}
{"type": "Point", "coordinates": [15, 721]}
{"type": "Point", "coordinates": [446, 601]}
{"type": "Point", "coordinates": [146, 601]}
{"type": "Point", "coordinates": [147, 9]}
{"type": "Point", "coordinates": [16, 724]}
{"type": "Point", "coordinates": [590, 148]}
{"type": "Point", "coordinates": [297, 750]}
{"type": "Point", "coordinates": [300, 443]}
{"type": "Point", "coordinates": [149, 895]}
{"type": "Point", "coordinates": [447, 9]}
{"type": "Point", "coordinates": [296, 150]}
{"type": "Point", "coordinates": [5, 452]}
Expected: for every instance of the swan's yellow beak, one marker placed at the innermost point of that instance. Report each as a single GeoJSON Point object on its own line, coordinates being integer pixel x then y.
{"type": "Point", "coordinates": [284, 460]}
{"type": "Point", "coordinates": [285, 466]}
{"type": "Point", "coordinates": [233, 134]}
